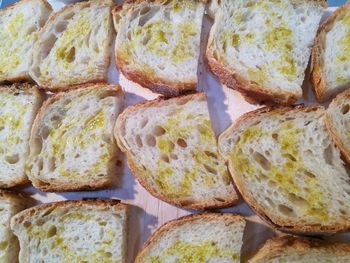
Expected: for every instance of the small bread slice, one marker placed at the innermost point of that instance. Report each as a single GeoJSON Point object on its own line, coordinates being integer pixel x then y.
{"type": "Point", "coordinates": [262, 48]}
{"type": "Point", "coordinates": [72, 145]}
{"type": "Point", "coordinates": [74, 46]}
{"type": "Point", "coordinates": [19, 105]}
{"type": "Point", "coordinates": [301, 250]}
{"type": "Point", "coordinates": [196, 238]}
{"type": "Point", "coordinates": [286, 167]}
{"type": "Point", "coordinates": [10, 204]}
{"type": "Point", "coordinates": [338, 122]}
{"type": "Point", "coordinates": [19, 26]}
{"type": "Point", "coordinates": [330, 73]}
{"type": "Point", "coordinates": [72, 231]}
{"type": "Point", "coordinates": [158, 43]}
{"type": "Point", "coordinates": [171, 149]}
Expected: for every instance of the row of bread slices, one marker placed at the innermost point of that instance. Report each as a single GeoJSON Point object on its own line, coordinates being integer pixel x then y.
{"type": "Point", "coordinates": [260, 48]}
{"type": "Point", "coordinates": [282, 160]}
{"type": "Point", "coordinates": [97, 230]}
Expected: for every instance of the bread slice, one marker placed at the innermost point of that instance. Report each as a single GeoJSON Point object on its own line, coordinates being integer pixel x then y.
{"type": "Point", "coordinates": [74, 46]}
{"type": "Point", "coordinates": [19, 27]}
{"type": "Point", "coordinates": [158, 43]}
{"type": "Point", "coordinates": [171, 149]}
{"type": "Point", "coordinates": [301, 250]}
{"type": "Point", "coordinates": [338, 122]}
{"type": "Point", "coordinates": [72, 145]}
{"type": "Point", "coordinates": [262, 48]}
{"type": "Point", "coordinates": [19, 105]}
{"type": "Point", "coordinates": [72, 231]}
{"type": "Point", "coordinates": [196, 238]}
{"type": "Point", "coordinates": [331, 55]}
{"type": "Point", "coordinates": [10, 204]}
{"type": "Point", "coordinates": [286, 167]}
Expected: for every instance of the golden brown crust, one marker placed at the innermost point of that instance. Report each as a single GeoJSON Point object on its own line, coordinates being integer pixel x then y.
{"type": "Point", "coordinates": [140, 174]}
{"type": "Point", "coordinates": [172, 225]}
{"type": "Point", "coordinates": [317, 61]}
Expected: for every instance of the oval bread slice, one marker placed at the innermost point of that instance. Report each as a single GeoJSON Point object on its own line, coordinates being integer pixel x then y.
{"type": "Point", "coordinates": [286, 167]}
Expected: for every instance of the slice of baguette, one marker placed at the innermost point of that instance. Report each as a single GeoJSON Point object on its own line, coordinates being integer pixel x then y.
{"type": "Point", "coordinates": [301, 250]}
{"type": "Point", "coordinates": [74, 46]}
{"type": "Point", "coordinates": [171, 149]}
{"type": "Point", "coordinates": [158, 43]}
{"type": "Point", "coordinates": [262, 48]}
{"type": "Point", "coordinates": [10, 204]}
{"type": "Point", "coordinates": [19, 105]}
{"type": "Point", "coordinates": [19, 26]}
{"type": "Point", "coordinates": [196, 238]}
{"type": "Point", "coordinates": [72, 145]}
{"type": "Point", "coordinates": [338, 122]}
{"type": "Point", "coordinates": [331, 55]}
{"type": "Point", "coordinates": [72, 231]}
{"type": "Point", "coordinates": [286, 167]}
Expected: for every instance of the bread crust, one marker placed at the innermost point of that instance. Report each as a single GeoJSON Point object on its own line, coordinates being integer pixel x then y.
{"type": "Point", "coordinates": [173, 224]}
{"type": "Point", "coordinates": [283, 225]}
{"type": "Point", "coordinates": [65, 187]}
{"type": "Point", "coordinates": [280, 245]}
{"type": "Point", "coordinates": [317, 60]}
{"type": "Point", "coordinates": [140, 175]}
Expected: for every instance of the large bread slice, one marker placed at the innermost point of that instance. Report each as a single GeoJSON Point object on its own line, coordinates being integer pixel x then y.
{"type": "Point", "coordinates": [158, 43]}
{"type": "Point", "coordinates": [196, 238]}
{"type": "Point", "coordinates": [301, 250]}
{"type": "Point", "coordinates": [10, 204]}
{"type": "Point", "coordinates": [286, 167]}
{"type": "Point", "coordinates": [19, 26]}
{"type": "Point", "coordinates": [262, 48]}
{"type": "Point", "coordinates": [171, 149]}
{"type": "Point", "coordinates": [331, 55]}
{"type": "Point", "coordinates": [74, 46]}
{"type": "Point", "coordinates": [72, 231]}
{"type": "Point", "coordinates": [72, 145]}
{"type": "Point", "coordinates": [19, 105]}
{"type": "Point", "coordinates": [338, 122]}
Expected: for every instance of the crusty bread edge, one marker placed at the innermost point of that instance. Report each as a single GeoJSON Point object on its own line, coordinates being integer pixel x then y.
{"type": "Point", "coordinates": [231, 200]}
{"type": "Point", "coordinates": [174, 224]}
{"type": "Point", "coordinates": [61, 187]}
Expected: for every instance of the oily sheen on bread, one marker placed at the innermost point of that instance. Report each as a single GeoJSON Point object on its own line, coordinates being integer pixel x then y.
{"type": "Point", "coordinates": [262, 48]}
{"type": "Point", "coordinates": [72, 145]}
{"type": "Point", "coordinates": [158, 43]}
{"type": "Point", "coordinates": [89, 230]}
{"type": "Point", "coordinates": [196, 238]}
{"type": "Point", "coordinates": [286, 167]}
{"type": "Point", "coordinates": [331, 55]}
{"type": "Point", "coordinates": [19, 105]}
{"type": "Point", "coordinates": [19, 27]}
{"type": "Point", "coordinates": [74, 46]}
{"type": "Point", "coordinates": [171, 149]}
{"type": "Point", "coordinates": [301, 250]}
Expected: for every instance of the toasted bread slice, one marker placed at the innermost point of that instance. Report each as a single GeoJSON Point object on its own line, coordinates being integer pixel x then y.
{"type": "Point", "coordinates": [19, 26]}
{"type": "Point", "coordinates": [158, 43]}
{"type": "Point", "coordinates": [286, 167]}
{"type": "Point", "coordinates": [262, 48]}
{"type": "Point", "coordinates": [74, 46]}
{"type": "Point", "coordinates": [331, 55]}
{"type": "Point", "coordinates": [196, 238]}
{"type": "Point", "coordinates": [171, 149]}
{"type": "Point", "coordinates": [72, 145]}
{"type": "Point", "coordinates": [10, 204]}
{"type": "Point", "coordinates": [72, 231]}
{"type": "Point", "coordinates": [19, 105]}
{"type": "Point", "coordinates": [301, 250]}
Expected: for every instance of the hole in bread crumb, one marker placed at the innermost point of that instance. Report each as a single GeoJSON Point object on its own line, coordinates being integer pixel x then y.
{"type": "Point", "coordinates": [262, 161]}
{"type": "Point", "coordinates": [297, 200]}
{"type": "Point", "coordinates": [328, 155]}
{"type": "Point", "coordinates": [345, 109]}
{"type": "Point", "coordinates": [274, 136]}
{"type": "Point", "coordinates": [285, 210]}
{"type": "Point", "coordinates": [158, 130]}
{"type": "Point", "coordinates": [61, 26]}
{"type": "Point", "coordinates": [151, 140]}
{"type": "Point", "coordinates": [3, 245]}
{"type": "Point", "coordinates": [181, 142]}
{"type": "Point", "coordinates": [269, 201]}
{"type": "Point", "coordinates": [165, 158]}
{"type": "Point", "coordinates": [52, 231]}
{"type": "Point", "coordinates": [37, 146]}
{"type": "Point", "coordinates": [343, 212]}
{"type": "Point", "coordinates": [51, 164]}
{"type": "Point", "coordinates": [145, 10]}
{"type": "Point", "coordinates": [310, 175]}
{"type": "Point", "coordinates": [290, 157]}
{"type": "Point", "coordinates": [211, 154]}
{"type": "Point", "coordinates": [219, 199]}
{"type": "Point", "coordinates": [139, 141]}
{"type": "Point", "coordinates": [129, 35]}
{"type": "Point", "coordinates": [144, 123]}
{"type": "Point", "coordinates": [12, 159]}
{"type": "Point", "coordinates": [40, 164]}
{"type": "Point", "coordinates": [44, 132]}
{"type": "Point", "coordinates": [70, 55]}
{"type": "Point", "coordinates": [68, 16]}
{"type": "Point", "coordinates": [146, 39]}
{"type": "Point", "coordinates": [27, 224]}
{"type": "Point", "coordinates": [174, 156]}
{"type": "Point", "coordinates": [210, 169]}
